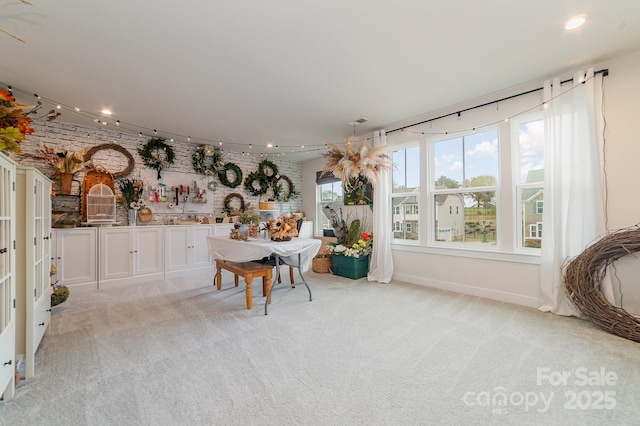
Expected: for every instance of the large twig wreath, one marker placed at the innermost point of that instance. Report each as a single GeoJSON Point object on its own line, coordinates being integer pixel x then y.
{"type": "Point", "coordinates": [156, 154]}
{"type": "Point", "coordinates": [227, 202]}
{"type": "Point", "coordinates": [207, 160]}
{"type": "Point", "coordinates": [115, 147]}
{"type": "Point", "coordinates": [279, 192]}
{"type": "Point", "coordinates": [583, 277]}
{"type": "Point", "coordinates": [263, 183]}
{"type": "Point", "coordinates": [224, 177]}
{"type": "Point", "coordinates": [269, 169]}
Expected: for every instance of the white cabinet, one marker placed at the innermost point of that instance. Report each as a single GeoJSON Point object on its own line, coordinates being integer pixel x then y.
{"type": "Point", "coordinates": [75, 256]}
{"type": "Point", "coordinates": [33, 263]}
{"type": "Point", "coordinates": [186, 247]}
{"type": "Point", "coordinates": [130, 251]}
{"type": "Point", "coordinates": [7, 278]}
{"type": "Point", "coordinates": [306, 230]}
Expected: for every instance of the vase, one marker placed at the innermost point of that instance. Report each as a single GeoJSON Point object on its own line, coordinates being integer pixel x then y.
{"type": "Point", "coordinates": [133, 217]}
{"type": "Point", "coordinates": [350, 267]}
{"type": "Point", "coordinates": [65, 183]}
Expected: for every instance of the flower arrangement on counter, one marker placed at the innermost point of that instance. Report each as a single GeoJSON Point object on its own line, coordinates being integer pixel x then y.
{"type": "Point", "coordinates": [14, 123]}
{"type": "Point", "coordinates": [131, 191]}
{"type": "Point", "coordinates": [64, 162]}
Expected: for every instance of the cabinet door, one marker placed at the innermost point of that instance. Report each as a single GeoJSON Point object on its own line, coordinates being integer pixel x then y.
{"type": "Point", "coordinates": [7, 284]}
{"type": "Point", "coordinates": [199, 249]}
{"type": "Point", "coordinates": [178, 245]}
{"type": "Point", "coordinates": [148, 254]}
{"type": "Point", "coordinates": [76, 257]}
{"type": "Point", "coordinates": [116, 253]}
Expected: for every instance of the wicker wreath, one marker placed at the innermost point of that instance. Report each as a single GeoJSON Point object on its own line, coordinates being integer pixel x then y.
{"type": "Point", "coordinates": [227, 202]}
{"type": "Point", "coordinates": [278, 191]}
{"type": "Point", "coordinates": [207, 160]}
{"type": "Point", "coordinates": [157, 154]}
{"type": "Point", "coordinates": [115, 147]}
{"type": "Point", "coordinates": [272, 173]}
{"type": "Point", "coordinates": [583, 277]}
{"type": "Point", "coordinates": [224, 177]}
{"type": "Point", "coordinates": [263, 183]}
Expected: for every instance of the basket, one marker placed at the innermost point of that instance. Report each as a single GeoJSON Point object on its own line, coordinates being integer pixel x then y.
{"type": "Point", "coordinates": [145, 215]}
{"type": "Point", "coordinates": [321, 265]}
{"type": "Point", "coordinates": [266, 205]}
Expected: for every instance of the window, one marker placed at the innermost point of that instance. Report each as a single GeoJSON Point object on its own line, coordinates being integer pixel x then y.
{"type": "Point", "coordinates": [328, 194]}
{"type": "Point", "coordinates": [405, 194]}
{"type": "Point", "coordinates": [530, 180]}
{"type": "Point", "coordinates": [466, 176]}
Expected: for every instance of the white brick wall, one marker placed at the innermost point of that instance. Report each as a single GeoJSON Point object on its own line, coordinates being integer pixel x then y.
{"type": "Point", "coordinates": [62, 136]}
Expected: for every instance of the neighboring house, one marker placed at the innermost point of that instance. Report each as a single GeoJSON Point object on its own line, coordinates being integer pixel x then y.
{"type": "Point", "coordinates": [449, 217]}
{"type": "Point", "coordinates": [405, 218]}
{"type": "Point", "coordinates": [532, 207]}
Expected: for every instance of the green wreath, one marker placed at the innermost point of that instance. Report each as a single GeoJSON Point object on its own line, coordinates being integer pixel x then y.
{"type": "Point", "coordinates": [263, 182]}
{"type": "Point", "coordinates": [224, 178]}
{"type": "Point", "coordinates": [227, 202]}
{"type": "Point", "coordinates": [278, 191]}
{"type": "Point", "coordinates": [156, 154]}
{"type": "Point", "coordinates": [268, 164]}
{"type": "Point", "coordinates": [202, 154]}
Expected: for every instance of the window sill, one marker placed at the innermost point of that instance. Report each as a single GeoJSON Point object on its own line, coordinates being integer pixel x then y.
{"type": "Point", "coordinates": [517, 257]}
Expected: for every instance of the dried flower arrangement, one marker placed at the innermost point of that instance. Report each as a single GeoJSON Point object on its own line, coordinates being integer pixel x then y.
{"type": "Point", "coordinates": [363, 160]}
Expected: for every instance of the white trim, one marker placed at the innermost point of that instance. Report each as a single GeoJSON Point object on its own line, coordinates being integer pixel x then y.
{"type": "Point", "coordinates": [529, 257]}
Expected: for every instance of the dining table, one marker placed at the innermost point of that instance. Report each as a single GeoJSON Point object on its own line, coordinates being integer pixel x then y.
{"type": "Point", "coordinates": [296, 252]}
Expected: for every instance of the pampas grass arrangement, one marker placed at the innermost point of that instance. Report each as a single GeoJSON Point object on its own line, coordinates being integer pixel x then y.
{"type": "Point", "coordinates": [355, 161]}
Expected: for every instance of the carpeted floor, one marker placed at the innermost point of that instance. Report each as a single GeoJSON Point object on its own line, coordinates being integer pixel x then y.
{"type": "Point", "coordinates": [179, 352]}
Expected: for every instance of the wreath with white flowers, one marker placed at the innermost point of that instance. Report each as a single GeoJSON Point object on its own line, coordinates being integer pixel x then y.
{"type": "Point", "coordinates": [207, 160]}
{"type": "Point", "coordinates": [224, 177]}
{"type": "Point", "coordinates": [278, 190]}
{"type": "Point", "coordinates": [263, 183]}
{"type": "Point", "coordinates": [227, 202]}
{"type": "Point", "coordinates": [268, 164]}
{"type": "Point", "coordinates": [156, 154]}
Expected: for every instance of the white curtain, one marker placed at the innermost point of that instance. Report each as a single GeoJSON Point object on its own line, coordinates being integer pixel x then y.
{"type": "Point", "coordinates": [574, 211]}
{"type": "Point", "coordinates": [381, 267]}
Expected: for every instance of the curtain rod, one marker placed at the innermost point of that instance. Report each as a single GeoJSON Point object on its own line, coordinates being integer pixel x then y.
{"type": "Point", "coordinates": [604, 72]}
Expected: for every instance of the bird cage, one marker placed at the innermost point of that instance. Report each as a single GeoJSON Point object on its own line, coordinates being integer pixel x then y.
{"type": "Point", "coordinates": [101, 204]}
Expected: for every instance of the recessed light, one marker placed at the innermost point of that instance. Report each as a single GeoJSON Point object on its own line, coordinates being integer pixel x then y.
{"type": "Point", "coordinates": [575, 22]}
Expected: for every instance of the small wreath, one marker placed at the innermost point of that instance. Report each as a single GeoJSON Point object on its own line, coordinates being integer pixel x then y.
{"type": "Point", "coordinates": [156, 154]}
{"type": "Point", "coordinates": [263, 182]}
{"type": "Point", "coordinates": [115, 147]}
{"type": "Point", "coordinates": [224, 177]}
{"type": "Point", "coordinates": [278, 190]}
{"type": "Point", "coordinates": [227, 202]}
{"type": "Point", "coordinates": [268, 164]}
{"type": "Point", "coordinates": [204, 153]}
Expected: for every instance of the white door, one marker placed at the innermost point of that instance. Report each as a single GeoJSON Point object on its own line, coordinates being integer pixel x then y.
{"type": "Point", "coordinates": [199, 249]}
{"type": "Point", "coordinates": [76, 257]}
{"type": "Point", "coordinates": [116, 253]}
{"type": "Point", "coordinates": [148, 254]}
{"type": "Point", "coordinates": [178, 245]}
{"type": "Point", "coordinates": [7, 284]}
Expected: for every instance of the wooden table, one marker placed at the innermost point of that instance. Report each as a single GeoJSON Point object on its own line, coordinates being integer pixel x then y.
{"type": "Point", "coordinates": [299, 252]}
{"type": "Point", "coordinates": [249, 271]}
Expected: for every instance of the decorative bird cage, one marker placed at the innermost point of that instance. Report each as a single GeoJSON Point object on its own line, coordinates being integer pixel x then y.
{"type": "Point", "coordinates": [101, 204]}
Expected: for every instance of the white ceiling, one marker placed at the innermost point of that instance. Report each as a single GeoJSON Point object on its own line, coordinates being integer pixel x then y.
{"type": "Point", "coordinates": [292, 72]}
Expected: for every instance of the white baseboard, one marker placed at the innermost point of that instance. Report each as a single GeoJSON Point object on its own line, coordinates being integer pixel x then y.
{"type": "Point", "coordinates": [501, 296]}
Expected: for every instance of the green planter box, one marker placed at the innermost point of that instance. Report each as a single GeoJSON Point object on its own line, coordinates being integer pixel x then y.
{"type": "Point", "coordinates": [350, 267]}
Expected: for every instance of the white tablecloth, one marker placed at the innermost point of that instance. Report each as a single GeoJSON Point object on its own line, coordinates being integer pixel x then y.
{"type": "Point", "coordinates": [224, 248]}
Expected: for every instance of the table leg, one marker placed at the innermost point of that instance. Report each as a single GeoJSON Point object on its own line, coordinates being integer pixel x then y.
{"type": "Point", "coordinates": [218, 276]}
{"type": "Point", "coordinates": [248, 280]}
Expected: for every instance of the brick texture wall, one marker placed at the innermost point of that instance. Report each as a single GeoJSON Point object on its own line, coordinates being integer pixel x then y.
{"type": "Point", "coordinates": [62, 136]}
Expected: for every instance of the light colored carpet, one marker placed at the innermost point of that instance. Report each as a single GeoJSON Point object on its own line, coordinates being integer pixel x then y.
{"type": "Point", "coordinates": [179, 352]}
